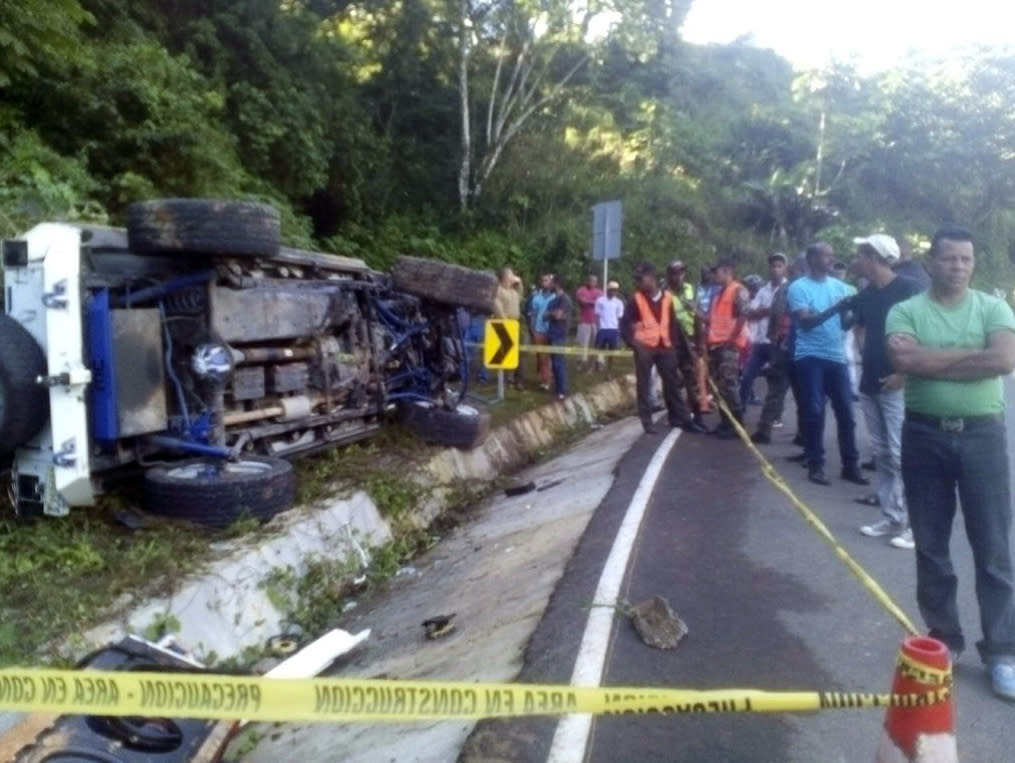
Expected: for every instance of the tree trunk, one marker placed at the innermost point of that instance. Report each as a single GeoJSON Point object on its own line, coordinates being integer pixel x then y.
{"type": "Point", "coordinates": [465, 168]}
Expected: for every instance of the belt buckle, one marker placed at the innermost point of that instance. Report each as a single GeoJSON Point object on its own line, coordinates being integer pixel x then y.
{"type": "Point", "coordinates": [953, 425]}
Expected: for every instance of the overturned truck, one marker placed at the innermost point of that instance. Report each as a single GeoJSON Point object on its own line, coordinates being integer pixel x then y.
{"type": "Point", "coordinates": [191, 344]}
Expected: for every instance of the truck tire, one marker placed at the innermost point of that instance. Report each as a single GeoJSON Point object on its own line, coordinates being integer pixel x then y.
{"type": "Point", "coordinates": [204, 227]}
{"type": "Point", "coordinates": [24, 403]}
{"type": "Point", "coordinates": [217, 493]}
{"type": "Point", "coordinates": [444, 283]}
{"type": "Point", "coordinates": [464, 428]}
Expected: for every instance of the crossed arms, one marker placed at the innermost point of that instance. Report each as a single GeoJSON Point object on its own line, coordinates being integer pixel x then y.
{"type": "Point", "coordinates": [910, 357]}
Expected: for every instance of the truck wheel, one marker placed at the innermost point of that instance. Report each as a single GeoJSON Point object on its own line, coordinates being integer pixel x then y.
{"type": "Point", "coordinates": [203, 226]}
{"type": "Point", "coordinates": [465, 427]}
{"type": "Point", "coordinates": [446, 284]}
{"type": "Point", "coordinates": [217, 493]}
{"type": "Point", "coordinates": [24, 404]}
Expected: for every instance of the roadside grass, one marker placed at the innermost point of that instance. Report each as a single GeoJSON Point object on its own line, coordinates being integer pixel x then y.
{"type": "Point", "coordinates": [59, 577]}
{"type": "Point", "coordinates": [531, 396]}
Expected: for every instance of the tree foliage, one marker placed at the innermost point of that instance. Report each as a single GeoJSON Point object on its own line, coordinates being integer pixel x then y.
{"type": "Point", "coordinates": [484, 130]}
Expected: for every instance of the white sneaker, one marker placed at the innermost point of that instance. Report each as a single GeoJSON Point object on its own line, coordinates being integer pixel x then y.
{"type": "Point", "coordinates": [903, 540]}
{"type": "Point", "coordinates": [777, 424]}
{"type": "Point", "coordinates": [880, 529]}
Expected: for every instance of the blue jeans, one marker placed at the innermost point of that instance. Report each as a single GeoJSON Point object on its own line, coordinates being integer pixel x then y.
{"type": "Point", "coordinates": [816, 379]}
{"type": "Point", "coordinates": [759, 356]}
{"type": "Point", "coordinates": [558, 365]}
{"type": "Point", "coordinates": [974, 462]}
{"type": "Point", "coordinates": [883, 413]}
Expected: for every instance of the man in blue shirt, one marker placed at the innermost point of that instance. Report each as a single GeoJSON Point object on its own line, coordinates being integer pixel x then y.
{"type": "Point", "coordinates": [819, 304]}
{"type": "Point", "coordinates": [539, 325]}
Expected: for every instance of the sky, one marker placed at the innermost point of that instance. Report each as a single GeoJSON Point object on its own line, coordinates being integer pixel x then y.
{"type": "Point", "coordinates": [875, 34]}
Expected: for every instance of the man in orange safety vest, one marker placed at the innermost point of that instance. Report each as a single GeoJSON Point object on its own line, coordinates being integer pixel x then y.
{"type": "Point", "coordinates": [648, 326]}
{"type": "Point", "coordinates": [727, 338]}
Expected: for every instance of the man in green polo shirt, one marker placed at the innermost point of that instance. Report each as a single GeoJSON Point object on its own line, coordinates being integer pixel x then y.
{"type": "Point", "coordinates": [955, 345]}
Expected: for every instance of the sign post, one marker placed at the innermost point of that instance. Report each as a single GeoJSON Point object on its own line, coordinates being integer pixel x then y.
{"type": "Point", "coordinates": [607, 223]}
{"type": "Point", "coordinates": [501, 339]}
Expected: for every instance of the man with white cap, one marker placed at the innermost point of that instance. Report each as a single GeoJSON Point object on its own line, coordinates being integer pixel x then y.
{"type": "Point", "coordinates": [609, 310]}
{"type": "Point", "coordinates": [881, 388]}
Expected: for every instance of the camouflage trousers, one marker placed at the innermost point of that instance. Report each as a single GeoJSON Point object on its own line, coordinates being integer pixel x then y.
{"type": "Point", "coordinates": [724, 368]}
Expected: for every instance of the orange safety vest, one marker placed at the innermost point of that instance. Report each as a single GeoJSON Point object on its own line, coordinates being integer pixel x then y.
{"type": "Point", "coordinates": [722, 320]}
{"type": "Point", "coordinates": [649, 331]}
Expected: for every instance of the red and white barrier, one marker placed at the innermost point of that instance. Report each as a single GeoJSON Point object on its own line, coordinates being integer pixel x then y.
{"type": "Point", "coordinates": [923, 732]}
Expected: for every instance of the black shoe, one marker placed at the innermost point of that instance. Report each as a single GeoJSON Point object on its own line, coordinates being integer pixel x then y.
{"type": "Point", "coordinates": [854, 475]}
{"type": "Point", "coordinates": [649, 428]}
{"type": "Point", "coordinates": [690, 426]}
{"type": "Point", "coordinates": [817, 476]}
{"type": "Point", "coordinates": [799, 441]}
{"type": "Point", "coordinates": [799, 458]}
{"type": "Point", "coordinates": [760, 438]}
{"type": "Point", "coordinates": [868, 466]}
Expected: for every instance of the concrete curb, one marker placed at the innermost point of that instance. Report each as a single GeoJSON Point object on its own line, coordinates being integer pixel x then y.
{"type": "Point", "coordinates": [227, 608]}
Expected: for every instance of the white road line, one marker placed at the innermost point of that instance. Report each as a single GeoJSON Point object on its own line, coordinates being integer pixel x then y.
{"type": "Point", "coordinates": [572, 734]}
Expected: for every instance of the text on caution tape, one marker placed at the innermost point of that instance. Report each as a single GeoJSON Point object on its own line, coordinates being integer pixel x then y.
{"type": "Point", "coordinates": [278, 700]}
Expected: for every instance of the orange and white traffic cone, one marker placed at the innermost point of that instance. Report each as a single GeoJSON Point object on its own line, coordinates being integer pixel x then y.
{"type": "Point", "coordinates": [920, 726]}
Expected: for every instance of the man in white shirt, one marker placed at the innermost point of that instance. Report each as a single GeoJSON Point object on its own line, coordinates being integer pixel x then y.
{"type": "Point", "coordinates": [758, 312]}
{"type": "Point", "coordinates": [609, 310]}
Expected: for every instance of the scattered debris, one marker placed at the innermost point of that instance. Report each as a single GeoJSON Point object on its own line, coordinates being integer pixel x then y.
{"type": "Point", "coordinates": [283, 645]}
{"type": "Point", "coordinates": [350, 604]}
{"type": "Point", "coordinates": [522, 489]}
{"type": "Point", "coordinates": [409, 571]}
{"type": "Point", "coordinates": [312, 659]}
{"type": "Point", "coordinates": [548, 485]}
{"type": "Point", "coordinates": [657, 624]}
{"type": "Point", "coordinates": [439, 626]}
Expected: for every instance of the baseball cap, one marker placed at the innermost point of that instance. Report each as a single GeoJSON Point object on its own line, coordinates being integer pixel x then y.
{"type": "Point", "coordinates": [612, 285]}
{"type": "Point", "coordinates": [883, 244]}
{"type": "Point", "coordinates": [777, 256]}
{"type": "Point", "coordinates": [675, 266]}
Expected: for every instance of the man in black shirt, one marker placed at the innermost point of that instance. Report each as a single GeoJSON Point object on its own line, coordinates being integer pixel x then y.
{"type": "Point", "coordinates": [558, 325]}
{"type": "Point", "coordinates": [909, 268]}
{"type": "Point", "coordinates": [881, 388]}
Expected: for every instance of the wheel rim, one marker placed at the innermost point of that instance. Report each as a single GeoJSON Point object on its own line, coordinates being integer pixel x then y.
{"type": "Point", "coordinates": [454, 365]}
{"type": "Point", "coordinates": [197, 470]}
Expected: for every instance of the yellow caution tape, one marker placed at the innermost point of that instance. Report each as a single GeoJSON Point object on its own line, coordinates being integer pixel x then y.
{"type": "Point", "coordinates": [773, 476]}
{"type": "Point", "coordinates": [189, 695]}
{"type": "Point", "coordinates": [925, 674]}
{"type": "Point", "coordinates": [558, 349]}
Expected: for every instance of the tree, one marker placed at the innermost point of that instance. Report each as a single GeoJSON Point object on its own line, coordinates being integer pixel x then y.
{"type": "Point", "coordinates": [534, 48]}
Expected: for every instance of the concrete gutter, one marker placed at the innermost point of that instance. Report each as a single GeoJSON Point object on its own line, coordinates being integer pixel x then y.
{"type": "Point", "coordinates": [226, 607]}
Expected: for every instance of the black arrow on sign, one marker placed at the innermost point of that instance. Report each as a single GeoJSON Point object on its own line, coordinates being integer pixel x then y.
{"type": "Point", "coordinates": [506, 344]}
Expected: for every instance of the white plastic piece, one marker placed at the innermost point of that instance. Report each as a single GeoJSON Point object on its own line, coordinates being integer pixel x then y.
{"type": "Point", "coordinates": [312, 659]}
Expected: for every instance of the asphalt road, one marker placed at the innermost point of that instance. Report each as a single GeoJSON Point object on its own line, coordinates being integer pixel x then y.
{"type": "Point", "coordinates": [768, 606]}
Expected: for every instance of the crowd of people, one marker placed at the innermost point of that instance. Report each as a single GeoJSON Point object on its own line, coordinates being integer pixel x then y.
{"type": "Point", "coordinates": [912, 346]}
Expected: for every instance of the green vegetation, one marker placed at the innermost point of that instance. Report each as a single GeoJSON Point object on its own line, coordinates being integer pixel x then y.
{"type": "Point", "coordinates": [61, 578]}
{"type": "Point", "coordinates": [481, 131]}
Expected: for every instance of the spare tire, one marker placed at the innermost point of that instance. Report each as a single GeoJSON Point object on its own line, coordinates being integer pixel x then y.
{"type": "Point", "coordinates": [203, 226]}
{"type": "Point", "coordinates": [217, 493]}
{"type": "Point", "coordinates": [445, 283]}
{"type": "Point", "coordinates": [24, 403]}
{"type": "Point", "coordinates": [465, 427]}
